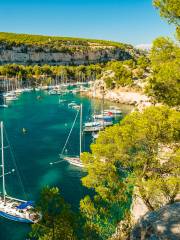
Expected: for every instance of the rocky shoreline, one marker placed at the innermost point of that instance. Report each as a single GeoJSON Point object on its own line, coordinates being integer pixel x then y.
{"type": "Point", "coordinates": [134, 98]}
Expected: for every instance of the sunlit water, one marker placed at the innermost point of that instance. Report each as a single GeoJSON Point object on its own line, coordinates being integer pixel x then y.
{"type": "Point", "coordinates": [48, 123]}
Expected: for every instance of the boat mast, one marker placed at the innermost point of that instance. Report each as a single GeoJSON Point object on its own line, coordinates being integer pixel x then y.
{"type": "Point", "coordinates": [80, 133]}
{"type": "Point", "coordinates": [2, 156]}
{"type": "Point", "coordinates": [102, 89]}
{"type": "Point", "coordinates": [7, 84]}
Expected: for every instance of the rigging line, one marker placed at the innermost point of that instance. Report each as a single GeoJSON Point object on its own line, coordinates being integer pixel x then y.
{"type": "Point", "coordinates": [15, 165]}
{"type": "Point", "coordinates": [67, 139]}
{"type": "Point", "coordinates": [70, 132]}
{"type": "Point", "coordinates": [52, 163]}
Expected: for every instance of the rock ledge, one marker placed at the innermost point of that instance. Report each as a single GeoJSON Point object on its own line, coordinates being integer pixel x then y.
{"type": "Point", "coordinates": [163, 224]}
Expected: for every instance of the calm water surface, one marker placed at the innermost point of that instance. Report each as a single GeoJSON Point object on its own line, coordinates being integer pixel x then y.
{"type": "Point", "coordinates": [48, 123]}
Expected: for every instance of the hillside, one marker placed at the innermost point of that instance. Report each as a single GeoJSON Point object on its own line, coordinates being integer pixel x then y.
{"type": "Point", "coordinates": [36, 49]}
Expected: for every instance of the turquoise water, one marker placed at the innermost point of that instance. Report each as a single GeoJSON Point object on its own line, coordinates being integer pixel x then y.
{"type": "Point", "coordinates": [48, 123]}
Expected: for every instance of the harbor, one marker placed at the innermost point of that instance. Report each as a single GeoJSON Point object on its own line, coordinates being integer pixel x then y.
{"type": "Point", "coordinates": [44, 128]}
{"type": "Point", "coordinates": [90, 120]}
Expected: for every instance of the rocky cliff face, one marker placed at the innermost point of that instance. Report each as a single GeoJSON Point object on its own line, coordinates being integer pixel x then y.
{"type": "Point", "coordinates": [163, 224]}
{"type": "Point", "coordinates": [30, 55]}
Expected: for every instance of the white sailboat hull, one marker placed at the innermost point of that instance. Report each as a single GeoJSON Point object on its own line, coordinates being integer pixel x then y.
{"type": "Point", "coordinates": [74, 161]}
{"type": "Point", "coordinates": [10, 211]}
{"type": "Point", "coordinates": [12, 208]}
{"type": "Point", "coordinates": [3, 106]}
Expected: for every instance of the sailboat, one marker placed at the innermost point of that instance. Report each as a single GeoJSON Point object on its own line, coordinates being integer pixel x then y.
{"type": "Point", "coordinates": [3, 105]}
{"type": "Point", "coordinates": [12, 208]}
{"type": "Point", "coordinates": [100, 121]}
{"type": "Point", "coordinates": [92, 127]}
{"type": "Point", "coordinates": [76, 160]}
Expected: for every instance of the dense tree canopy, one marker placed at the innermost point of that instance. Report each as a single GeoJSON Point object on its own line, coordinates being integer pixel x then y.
{"type": "Point", "coordinates": [58, 221]}
{"type": "Point", "coordinates": [164, 50]}
{"type": "Point", "coordinates": [123, 74]}
{"type": "Point", "coordinates": [164, 85]}
{"type": "Point", "coordinates": [128, 156]}
{"type": "Point", "coordinates": [170, 9]}
{"type": "Point", "coordinates": [143, 62]}
{"type": "Point", "coordinates": [55, 43]}
{"type": "Point", "coordinates": [139, 156]}
{"type": "Point", "coordinates": [47, 74]}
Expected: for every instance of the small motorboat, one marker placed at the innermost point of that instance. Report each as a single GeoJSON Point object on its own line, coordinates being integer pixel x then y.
{"type": "Point", "coordinates": [93, 129]}
{"type": "Point", "coordinates": [11, 98]}
{"type": "Point", "coordinates": [92, 124]}
{"type": "Point", "coordinates": [112, 112]}
{"type": "Point", "coordinates": [103, 117]}
{"type": "Point", "coordinates": [3, 106]}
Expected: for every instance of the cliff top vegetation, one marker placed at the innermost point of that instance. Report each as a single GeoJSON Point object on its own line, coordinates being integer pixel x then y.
{"type": "Point", "coordinates": [41, 40]}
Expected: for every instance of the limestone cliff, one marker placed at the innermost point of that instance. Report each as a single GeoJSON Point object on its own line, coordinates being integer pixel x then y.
{"type": "Point", "coordinates": [32, 55]}
{"type": "Point", "coordinates": [31, 49]}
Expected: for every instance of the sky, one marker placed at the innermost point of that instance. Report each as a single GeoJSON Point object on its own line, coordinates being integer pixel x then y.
{"type": "Point", "coordinates": [129, 21]}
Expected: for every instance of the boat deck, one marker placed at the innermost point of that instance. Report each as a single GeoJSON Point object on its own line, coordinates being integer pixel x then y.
{"type": "Point", "coordinates": [74, 161]}
{"type": "Point", "coordinates": [11, 212]}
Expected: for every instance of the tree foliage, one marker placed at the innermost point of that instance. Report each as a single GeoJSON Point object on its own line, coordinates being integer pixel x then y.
{"type": "Point", "coordinates": [46, 74]}
{"type": "Point", "coordinates": [55, 43]}
{"type": "Point", "coordinates": [127, 158]}
{"type": "Point", "coordinates": [164, 85]}
{"type": "Point", "coordinates": [122, 74]}
{"type": "Point", "coordinates": [143, 62]}
{"type": "Point", "coordinates": [58, 221]}
{"type": "Point", "coordinates": [169, 9]}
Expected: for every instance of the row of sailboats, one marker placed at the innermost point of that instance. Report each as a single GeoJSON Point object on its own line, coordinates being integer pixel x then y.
{"type": "Point", "coordinates": [12, 89]}
{"type": "Point", "coordinates": [99, 123]}
{"type": "Point", "coordinates": [23, 211]}
{"type": "Point", "coordinates": [94, 127]}
{"type": "Point", "coordinates": [102, 120]}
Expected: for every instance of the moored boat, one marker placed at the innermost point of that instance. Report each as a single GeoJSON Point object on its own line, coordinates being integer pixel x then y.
{"type": "Point", "coordinates": [103, 117]}
{"type": "Point", "coordinates": [93, 129]}
{"type": "Point", "coordinates": [96, 126]}
{"type": "Point", "coordinates": [17, 210]}
{"type": "Point", "coordinates": [12, 208]}
{"type": "Point", "coordinates": [113, 112]}
{"type": "Point", "coordinates": [76, 161]}
{"type": "Point", "coordinates": [3, 106]}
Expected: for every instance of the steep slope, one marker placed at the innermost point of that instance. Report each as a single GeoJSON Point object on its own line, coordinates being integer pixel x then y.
{"type": "Point", "coordinates": [163, 224]}
{"type": "Point", "coordinates": [35, 49]}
